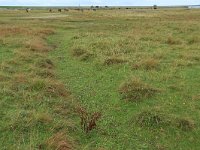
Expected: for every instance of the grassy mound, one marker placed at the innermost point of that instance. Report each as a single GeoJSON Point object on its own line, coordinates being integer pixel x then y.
{"type": "Point", "coordinates": [147, 64]}
{"type": "Point", "coordinates": [136, 90]}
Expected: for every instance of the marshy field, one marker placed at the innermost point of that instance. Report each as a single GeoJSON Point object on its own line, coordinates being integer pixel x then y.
{"type": "Point", "coordinates": [120, 79]}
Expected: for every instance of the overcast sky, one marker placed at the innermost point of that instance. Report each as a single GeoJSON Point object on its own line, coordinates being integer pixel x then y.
{"type": "Point", "coordinates": [96, 2]}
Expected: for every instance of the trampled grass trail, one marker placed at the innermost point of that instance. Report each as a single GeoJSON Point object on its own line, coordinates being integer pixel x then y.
{"type": "Point", "coordinates": [96, 88]}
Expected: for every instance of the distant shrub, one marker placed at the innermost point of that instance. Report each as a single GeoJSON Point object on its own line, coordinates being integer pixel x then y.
{"type": "Point", "coordinates": [155, 7]}
{"type": "Point", "coordinates": [136, 90]}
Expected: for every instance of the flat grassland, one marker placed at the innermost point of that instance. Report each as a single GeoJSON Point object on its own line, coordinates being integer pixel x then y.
{"type": "Point", "coordinates": [138, 68]}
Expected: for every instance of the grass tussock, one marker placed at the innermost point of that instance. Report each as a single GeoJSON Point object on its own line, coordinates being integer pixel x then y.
{"type": "Point", "coordinates": [114, 60]}
{"type": "Point", "coordinates": [45, 32]}
{"type": "Point", "coordinates": [49, 88]}
{"type": "Point", "coordinates": [44, 118]}
{"type": "Point", "coordinates": [77, 52]}
{"type": "Point", "coordinates": [196, 97]}
{"type": "Point", "coordinates": [38, 45]}
{"type": "Point", "coordinates": [136, 90]}
{"type": "Point", "coordinates": [185, 124]}
{"type": "Point", "coordinates": [82, 54]}
{"type": "Point", "coordinates": [152, 118]}
{"type": "Point", "coordinates": [173, 41]}
{"type": "Point", "coordinates": [157, 119]}
{"type": "Point", "coordinates": [58, 141]}
{"type": "Point", "coordinates": [20, 78]}
{"type": "Point", "coordinates": [147, 64]}
{"type": "Point", "coordinates": [45, 73]}
{"type": "Point", "coordinates": [56, 89]}
{"type": "Point", "coordinates": [44, 63]}
{"type": "Point", "coordinates": [25, 120]}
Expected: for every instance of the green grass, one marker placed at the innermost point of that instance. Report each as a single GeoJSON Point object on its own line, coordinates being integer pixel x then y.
{"type": "Point", "coordinates": [90, 57]}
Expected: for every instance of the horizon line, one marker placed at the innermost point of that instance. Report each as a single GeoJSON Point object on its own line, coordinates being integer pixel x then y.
{"type": "Point", "coordinates": [95, 5]}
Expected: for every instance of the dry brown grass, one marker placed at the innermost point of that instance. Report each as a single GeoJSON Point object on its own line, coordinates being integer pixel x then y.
{"type": "Point", "coordinates": [190, 57]}
{"type": "Point", "coordinates": [147, 64]}
{"type": "Point", "coordinates": [82, 54]}
{"type": "Point", "coordinates": [196, 97]}
{"type": "Point", "coordinates": [45, 73]}
{"type": "Point", "coordinates": [173, 41]}
{"type": "Point", "coordinates": [114, 60]}
{"type": "Point", "coordinates": [194, 40]}
{"type": "Point", "coordinates": [77, 52]}
{"type": "Point", "coordinates": [58, 141]}
{"type": "Point", "coordinates": [45, 32]}
{"type": "Point", "coordinates": [50, 88]}
{"type": "Point", "coordinates": [37, 45]}
{"type": "Point", "coordinates": [7, 68]}
{"type": "Point", "coordinates": [30, 79]}
{"type": "Point", "coordinates": [12, 30]}
{"type": "Point", "coordinates": [56, 89]}
{"type": "Point", "coordinates": [25, 56]}
{"type": "Point", "coordinates": [136, 90]}
{"type": "Point", "coordinates": [20, 78]}
{"type": "Point", "coordinates": [4, 77]}
{"type": "Point", "coordinates": [44, 63]}
{"type": "Point", "coordinates": [182, 63]}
